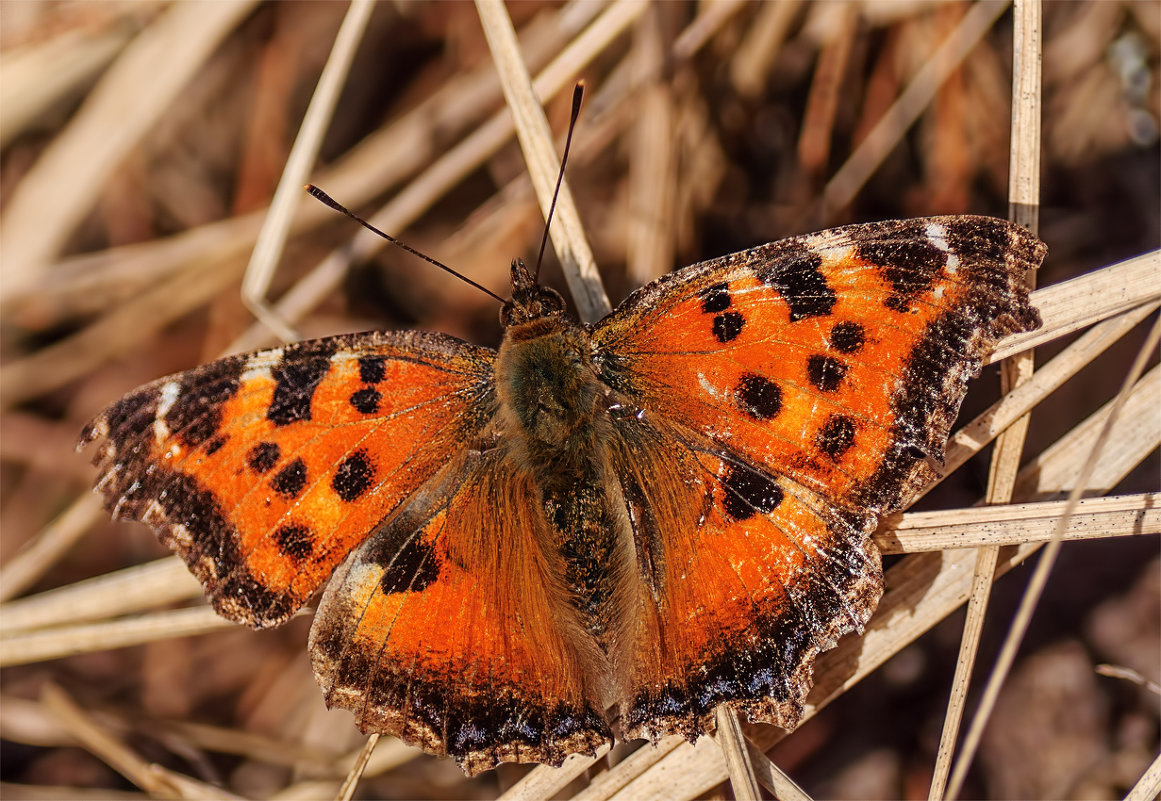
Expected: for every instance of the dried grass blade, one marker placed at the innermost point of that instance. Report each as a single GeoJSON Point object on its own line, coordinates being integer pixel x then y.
{"type": "Point", "coordinates": [54, 541]}
{"type": "Point", "coordinates": [67, 641]}
{"type": "Point", "coordinates": [1040, 577]}
{"type": "Point", "coordinates": [861, 164]}
{"type": "Point", "coordinates": [154, 779]}
{"type": "Point", "coordinates": [994, 526]}
{"type": "Point", "coordinates": [1136, 435]}
{"type": "Point", "coordinates": [1015, 372]}
{"type": "Point", "coordinates": [147, 586]}
{"type": "Point", "coordinates": [736, 756]}
{"type": "Point", "coordinates": [152, 70]}
{"type": "Point", "coordinates": [280, 216]}
{"type": "Point", "coordinates": [1149, 785]}
{"type": "Point", "coordinates": [568, 238]}
{"type": "Point", "coordinates": [969, 440]}
{"type": "Point", "coordinates": [444, 174]}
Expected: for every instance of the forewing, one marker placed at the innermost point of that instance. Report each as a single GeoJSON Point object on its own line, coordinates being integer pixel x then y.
{"type": "Point", "coordinates": [839, 359]}
{"type": "Point", "coordinates": [450, 629]}
{"type": "Point", "coordinates": [263, 471]}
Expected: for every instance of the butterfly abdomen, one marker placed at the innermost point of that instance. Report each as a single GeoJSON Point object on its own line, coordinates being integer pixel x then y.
{"type": "Point", "coordinates": [554, 406]}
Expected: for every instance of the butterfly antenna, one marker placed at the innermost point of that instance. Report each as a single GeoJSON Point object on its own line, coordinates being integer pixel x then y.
{"type": "Point", "coordinates": [326, 199]}
{"type": "Point", "coordinates": [577, 93]}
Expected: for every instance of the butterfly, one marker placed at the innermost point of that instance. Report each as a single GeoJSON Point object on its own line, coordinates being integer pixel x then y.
{"type": "Point", "coordinates": [617, 526]}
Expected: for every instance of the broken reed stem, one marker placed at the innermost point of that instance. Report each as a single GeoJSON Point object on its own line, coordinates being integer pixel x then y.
{"type": "Point", "coordinates": [276, 225]}
{"type": "Point", "coordinates": [1039, 578]}
{"type": "Point", "coordinates": [543, 162]}
{"type": "Point", "coordinates": [1024, 205]}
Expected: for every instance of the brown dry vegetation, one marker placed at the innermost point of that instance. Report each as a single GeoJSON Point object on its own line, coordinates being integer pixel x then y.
{"type": "Point", "coordinates": [142, 143]}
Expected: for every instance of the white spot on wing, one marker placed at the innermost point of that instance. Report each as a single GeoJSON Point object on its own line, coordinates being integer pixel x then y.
{"type": "Point", "coordinates": [937, 235]}
{"type": "Point", "coordinates": [259, 366]}
{"type": "Point", "coordinates": [709, 388]}
{"type": "Point", "coordinates": [165, 400]}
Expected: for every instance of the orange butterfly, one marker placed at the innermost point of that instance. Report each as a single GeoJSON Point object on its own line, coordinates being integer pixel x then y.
{"type": "Point", "coordinates": [655, 515]}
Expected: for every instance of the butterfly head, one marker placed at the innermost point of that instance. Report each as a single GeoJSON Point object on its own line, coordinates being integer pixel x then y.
{"type": "Point", "coordinates": [530, 301]}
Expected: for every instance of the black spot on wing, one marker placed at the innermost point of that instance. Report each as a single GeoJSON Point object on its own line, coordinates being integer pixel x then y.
{"type": "Point", "coordinates": [848, 337]}
{"type": "Point", "coordinates": [758, 396]}
{"type": "Point", "coordinates": [836, 436]}
{"type": "Point", "coordinates": [263, 456]}
{"type": "Point", "coordinates": [825, 372]}
{"type": "Point", "coordinates": [412, 568]}
{"type": "Point", "coordinates": [296, 378]}
{"type": "Point", "coordinates": [372, 369]}
{"type": "Point", "coordinates": [215, 444]}
{"type": "Point", "coordinates": [715, 298]}
{"type": "Point", "coordinates": [290, 480]}
{"type": "Point", "coordinates": [366, 400]}
{"type": "Point", "coordinates": [727, 326]}
{"type": "Point", "coordinates": [797, 277]}
{"type": "Point", "coordinates": [196, 413]}
{"type": "Point", "coordinates": [294, 540]}
{"type": "Point", "coordinates": [748, 492]}
{"type": "Point", "coordinates": [353, 476]}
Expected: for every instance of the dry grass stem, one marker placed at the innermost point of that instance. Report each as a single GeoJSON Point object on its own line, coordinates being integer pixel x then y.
{"type": "Point", "coordinates": [1039, 578]}
{"type": "Point", "coordinates": [1087, 299]}
{"type": "Point", "coordinates": [1137, 434]}
{"type": "Point", "coordinates": [442, 175]}
{"type": "Point", "coordinates": [1149, 785]}
{"type": "Point", "coordinates": [543, 162]}
{"type": "Point", "coordinates": [882, 139]}
{"type": "Point", "coordinates": [279, 218]}
{"type": "Point", "coordinates": [20, 649]}
{"type": "Point", "coordinates": [41, 74]}
{"type": "Point", "coordinates": [736, 755]}
{"type": "Point", "coordinates": [351, 782]}
{"type": "Point", "coordinates": [1015, 372]}
{"type": "Point", "coordinates": [775, 779]}
{"type": "Point", "coordinates": [152, 70]}
{"type": "Point", "coordinates": [23, 570]}
{"type": "Point", "coordinates": [994, 526]}
{"type": "Point", "coordinates": [132, 589]}
{"type": "Point", "coordinates": [136, 168]}
{"type": "Point", "coordinates": [153, 779]}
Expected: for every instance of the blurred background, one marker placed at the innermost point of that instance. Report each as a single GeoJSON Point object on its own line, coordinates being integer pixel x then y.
{"type": "Point", "coordinates": [142, 142]}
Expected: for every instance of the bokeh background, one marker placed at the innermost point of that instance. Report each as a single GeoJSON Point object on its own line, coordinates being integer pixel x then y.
{"type": "Point", "coordinates": [142, 142]}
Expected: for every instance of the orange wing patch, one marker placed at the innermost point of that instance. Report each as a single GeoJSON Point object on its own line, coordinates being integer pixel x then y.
{"type": "Point", "coordinates": [839, 359]}
{"type": "Point", "coordinates": [450, 629]}
{"type": "Point", "coordinates": [758, 575]}
{"type": "Point", "coordinates": [264, 471]}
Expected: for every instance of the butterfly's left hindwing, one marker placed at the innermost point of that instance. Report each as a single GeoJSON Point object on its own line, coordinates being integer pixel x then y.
{"type": "Point", "coordinates": [752, 576]}
{"type": "Point", "coordinates": [263, 471]}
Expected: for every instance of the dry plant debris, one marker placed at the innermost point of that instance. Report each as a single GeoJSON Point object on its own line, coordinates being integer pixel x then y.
{"type": "Point", "coordinates": [141, 146]}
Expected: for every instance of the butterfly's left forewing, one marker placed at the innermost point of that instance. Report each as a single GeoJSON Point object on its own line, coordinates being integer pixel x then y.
{"type": "Point", "coordinates": [263, 471]}
{"type": "Point", "coordinates": [837, 359]}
